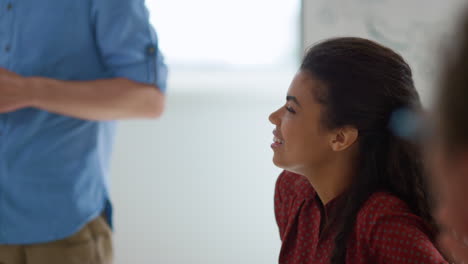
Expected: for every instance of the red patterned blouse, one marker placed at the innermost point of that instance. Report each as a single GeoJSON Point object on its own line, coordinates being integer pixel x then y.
{"type": "Point", "coordinates": [385, 230]}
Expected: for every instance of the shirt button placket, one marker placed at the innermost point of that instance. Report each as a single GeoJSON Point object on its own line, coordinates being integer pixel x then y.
{"type": "Point", "coordinates": [2, 173]}
{"type": "Point", "coordinates": [6, 34]}
{"type": "Point", "coordinates": [7, 47]}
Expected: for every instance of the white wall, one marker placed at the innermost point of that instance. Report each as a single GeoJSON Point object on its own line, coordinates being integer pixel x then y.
{"type": "Point", "coordinates": [416, 28]}
{"type": "Point", "coordinates": [197, 185]}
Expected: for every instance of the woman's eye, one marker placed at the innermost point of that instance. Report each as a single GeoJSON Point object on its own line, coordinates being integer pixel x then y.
{"type": "Point", "coordinates": [290, 109]}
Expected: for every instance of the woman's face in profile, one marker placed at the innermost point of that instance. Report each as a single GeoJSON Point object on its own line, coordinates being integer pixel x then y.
{"type": "Point", "coordinates": [300, 141]}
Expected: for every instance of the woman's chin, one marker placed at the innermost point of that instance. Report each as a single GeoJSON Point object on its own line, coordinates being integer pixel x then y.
{"type": "Point", "coordinates": [279, 162]}
{"type": "Point", "coordinates": [288, 165]}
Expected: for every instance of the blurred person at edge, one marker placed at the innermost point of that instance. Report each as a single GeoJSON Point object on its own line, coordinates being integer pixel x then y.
{"type": "Point", "coordinates": [448, 151]}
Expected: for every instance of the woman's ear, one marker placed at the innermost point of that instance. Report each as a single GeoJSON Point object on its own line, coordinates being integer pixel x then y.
{"type": "Point", "coordinates": [343, 138]}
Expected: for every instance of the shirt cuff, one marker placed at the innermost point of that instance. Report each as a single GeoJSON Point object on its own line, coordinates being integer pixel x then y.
{"type": "Point", "coordinates": [152, 71]}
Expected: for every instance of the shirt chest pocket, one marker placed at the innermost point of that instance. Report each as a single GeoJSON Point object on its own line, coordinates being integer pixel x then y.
{"type": "Point", "coordinates": [54, 20]}
{"type": "Point", "coordinates": [52, 33]}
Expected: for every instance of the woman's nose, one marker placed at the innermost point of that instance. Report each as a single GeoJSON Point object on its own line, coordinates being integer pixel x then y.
{"type": "Point", "coordinates": [274, 119]}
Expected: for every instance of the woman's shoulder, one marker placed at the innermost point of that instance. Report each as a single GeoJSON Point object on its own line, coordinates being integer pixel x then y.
{"type": "Point", "coordinates": [388, 228]}
{"type": "Point", "coordinates": [382, 205]}
{"type": "Point", "coordinates": [384, 202]}
{"type": "Point", "coordinates": [385, 210]}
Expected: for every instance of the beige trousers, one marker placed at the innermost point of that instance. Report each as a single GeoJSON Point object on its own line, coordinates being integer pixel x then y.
{"type": "Point", "coordinates": [91, 245]}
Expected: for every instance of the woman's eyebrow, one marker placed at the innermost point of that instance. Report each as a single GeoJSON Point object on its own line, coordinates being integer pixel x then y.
{"type": "Point", "coordinates": [292, 98]}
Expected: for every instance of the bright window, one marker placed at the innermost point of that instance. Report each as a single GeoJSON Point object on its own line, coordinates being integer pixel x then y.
{"type": "Point", "coordinates": [227, 34]}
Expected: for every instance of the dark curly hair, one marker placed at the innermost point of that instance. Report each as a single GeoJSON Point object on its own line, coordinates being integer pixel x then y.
{"type": "Point", "coordinates": [365, 83]}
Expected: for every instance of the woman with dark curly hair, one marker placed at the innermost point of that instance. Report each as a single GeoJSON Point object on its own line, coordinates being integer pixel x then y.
{"type": "Point", "coordinates": [351, 192]}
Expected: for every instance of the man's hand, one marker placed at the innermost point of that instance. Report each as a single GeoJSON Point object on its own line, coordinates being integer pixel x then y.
{"type": "Point", "coordinates": [14, 93]}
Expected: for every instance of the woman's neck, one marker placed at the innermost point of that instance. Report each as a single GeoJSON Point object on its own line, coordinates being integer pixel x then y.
{"type": "Point", "coordinates": [331, 180]}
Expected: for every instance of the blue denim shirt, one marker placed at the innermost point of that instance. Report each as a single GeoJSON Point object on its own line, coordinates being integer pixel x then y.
{"type": "Point", "coordinates": [53, 168]}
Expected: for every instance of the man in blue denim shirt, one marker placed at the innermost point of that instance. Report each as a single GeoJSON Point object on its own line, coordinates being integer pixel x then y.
{"type": "Point", "coordinates": [67, 70]}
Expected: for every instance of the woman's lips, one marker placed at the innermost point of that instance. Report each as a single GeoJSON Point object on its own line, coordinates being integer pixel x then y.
{"type": "Point", "coordinates": [277, 141]}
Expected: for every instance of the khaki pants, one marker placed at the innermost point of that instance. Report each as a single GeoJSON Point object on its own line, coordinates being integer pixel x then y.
{"type": "Point", "coordinates": [91, 245]}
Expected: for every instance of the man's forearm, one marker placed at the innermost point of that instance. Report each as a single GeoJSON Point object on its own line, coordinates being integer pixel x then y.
{"type": "Point", "coordinates": [109, 99]}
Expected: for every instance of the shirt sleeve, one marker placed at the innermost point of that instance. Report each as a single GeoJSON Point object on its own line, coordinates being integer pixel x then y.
{"type": "Point", "coordinates": [127, 42]}
{"type": "Point", "coordinates": [400, 237]}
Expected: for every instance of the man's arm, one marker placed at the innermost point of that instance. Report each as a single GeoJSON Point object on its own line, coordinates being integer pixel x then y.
{"type": "Point", "coordinates": [109, 99]}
